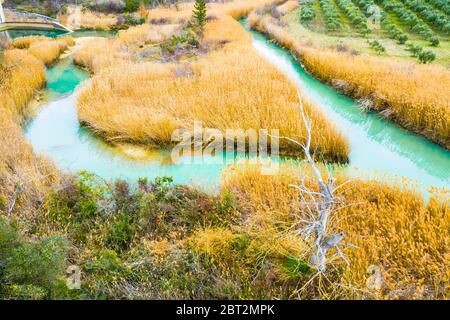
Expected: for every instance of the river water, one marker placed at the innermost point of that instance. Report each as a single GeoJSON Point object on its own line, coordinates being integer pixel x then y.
{"type": "Point", "coordinates": [378, 148]}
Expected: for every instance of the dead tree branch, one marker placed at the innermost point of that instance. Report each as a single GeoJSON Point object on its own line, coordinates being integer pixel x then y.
{"type": "Point", "coordinates": [320, 206]}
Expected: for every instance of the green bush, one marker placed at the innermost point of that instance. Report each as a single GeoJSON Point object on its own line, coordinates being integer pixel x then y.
{"type": "Point", "coordinates": [29, 270]}
{"type": "Point", "coordinates": [199, 13]}
{"type": "Point", "coordinates": [426, 56]}
{"type": "Point", "coordinates": [8, 238]}
{"type": "Point", "coordinates": [121, 231]}
{"type": "Point", "coordinates": [40, 264]}
{"type": "Point", "coordinates": [132, 5]}
{"type": "Point", "coordinates": [377, 46]}
{"type": "Point", "coordinates": [307, 12]}
{"type": "Point", "coordinates": [414, 49]}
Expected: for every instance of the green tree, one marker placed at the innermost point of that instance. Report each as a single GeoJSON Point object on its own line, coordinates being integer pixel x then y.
{"type": "Point", "coordinates": [132, 5]}
{"type": "Point", "coordinates": [199, 13]}
{"type": "Point", "coordinates": [427, 56]}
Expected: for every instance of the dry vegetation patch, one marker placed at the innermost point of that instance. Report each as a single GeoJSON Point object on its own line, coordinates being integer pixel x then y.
{"type": "Point", "coordinates": [395, 231]}
{"type": "Point", "coordinates": [224, 84]}
{"type": "Point", "coordinates": [24, 177]}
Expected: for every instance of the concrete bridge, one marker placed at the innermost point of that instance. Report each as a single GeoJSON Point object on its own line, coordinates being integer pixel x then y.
{"type": "Point", "coordinates": [41, 22]}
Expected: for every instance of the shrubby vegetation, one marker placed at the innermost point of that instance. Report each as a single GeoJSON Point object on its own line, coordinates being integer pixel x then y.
{"type": "Point", "coordinates": [155, 239]}
{"type": "Point", "coordinates": [159, 240]}
{"type": "Point", "coordinates": [30, 269]}
{"type": "Point", "coordinates": [377, 46]}
{"type": "Point", "coordinates": [432, 16]}
{"type": "Point", "coordinates": [410, 19]}
{"type": "Point", "coordinates": [424, 56]}
{"type": "Point", "coordinates": [441, 5]}
{"type": "Point", "coordinates": [330, 14]}
{"type": "Point", "coordinates": [356, 17]}
{"type": "Point", "coordinates": [307, 12]}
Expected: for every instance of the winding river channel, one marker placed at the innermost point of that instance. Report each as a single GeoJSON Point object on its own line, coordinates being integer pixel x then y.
{"type": "Point", "coordinates": [378, 148]}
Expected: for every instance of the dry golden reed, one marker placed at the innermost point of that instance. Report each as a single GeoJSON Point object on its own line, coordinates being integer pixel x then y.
{"type": "Point", "coordinates": [229, 88]}
{"type": "Point", "coordinates": [48, 51]}
{"type": "Point", "coordinates": [414, 96]}
{"type": "Point", "coordinates": [25, 42]}
{"type": "Point", "coordinates": [24, 177]}
{"type": "Point", "coordinates": [89, 20]}
{"type": "Point", "coordinates": [22, 75]}
{"type": "Point", "coordinates": [100, 53]}
{"type": "Point", "coordinates": [287, 7]}
{"type": "Point", "coordinates": [394, 229]}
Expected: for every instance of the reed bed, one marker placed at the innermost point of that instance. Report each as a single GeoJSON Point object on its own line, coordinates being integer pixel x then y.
{"type": "Point", "coordinates": [24, 178]}
{"type": "Point", "coordinates": [100, 53]}
{"type": "Point", "coordinates": [46, 51]}
{"type": "Point", "coordinates": [25, 42]}
{"type": "Point", "coordinates": [89, 20]}
{"type": "Point", "coordinates": [22, 75]}
{"type": "Point", "coordinates": [229, 88]}
{"type": "Point", "coordinates": [414, 96]}
{"type": "Point", "coordinates": [394, 229]}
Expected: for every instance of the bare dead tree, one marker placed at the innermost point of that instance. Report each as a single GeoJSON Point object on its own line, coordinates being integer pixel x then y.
{"type": "Point", "coordinates": [318, 205]}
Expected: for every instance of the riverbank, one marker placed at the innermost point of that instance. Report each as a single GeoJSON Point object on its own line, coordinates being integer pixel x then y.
{"type": "Point", "coordinates": [189, 85]}
{"type": "Point", "coordinates": [25, 177]}
{"type": "Point", "coordinates": [413, 96]}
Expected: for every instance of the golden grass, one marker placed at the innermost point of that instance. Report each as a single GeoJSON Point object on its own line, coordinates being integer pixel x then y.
{"type": "Point", "coordinates": [230, 88]}
{"type": "Point", "coordinates": [89, 20]}
{"type": "Point", "coordinates": [236, 9]}
{"type": "Point", "coordinates": [414, 96]}
{"type": "Point", "coordinates": [240, 9]}
{"type": "Point", "coordinates": [287, 7]}
{"type": "Point", "coordinates": [100, 53]}
{"type": "Point", "coordinates": [25, 42]}
{"type": "Point", "coordinates": [23, 74]}
{"type": "Point", "coordinates": [392, 226]}
{"type": "Point", "coordinates": [24, 176]}
{"type": "Point", "coordinates": [48, 51]}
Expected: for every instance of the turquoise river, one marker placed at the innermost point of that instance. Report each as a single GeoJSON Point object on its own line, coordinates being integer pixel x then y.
{"type": "Point", "coordinates": [378, 149]}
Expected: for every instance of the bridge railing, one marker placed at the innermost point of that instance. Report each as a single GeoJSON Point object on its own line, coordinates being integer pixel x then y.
{"type": "Point", "coordinates": [30, 19]}
{"type": "Point", "coordinates": [31, 15]}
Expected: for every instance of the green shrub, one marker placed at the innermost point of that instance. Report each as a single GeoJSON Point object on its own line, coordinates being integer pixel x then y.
{"type": "Point", "coordinates": [402, 38]}
{"type": "Point", "coordinates": [199, 13]}
{"type": "Point", "coordinates": [40, 264]}
{"type": "Point", "coordinates": [377, 46]}
{"type": "Point", "coordinates": [29, 270]}
{"type": "Point", "coordinates": [426, 56]}
{"type": "Point", "coordinates": [8, 239]}
{"type": "Point", "coordinates": [25, 292]}
{"type": "Point", "coordinates": [294, 268]}
{"type": "Point", "coordinates": [2, 200]}
{"type": "Point", "coordinates": [307, 12]}
{"type": "Point", "coordinates": [434, 41]}
{"type": "Point", "coordinates": [132, 5]}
